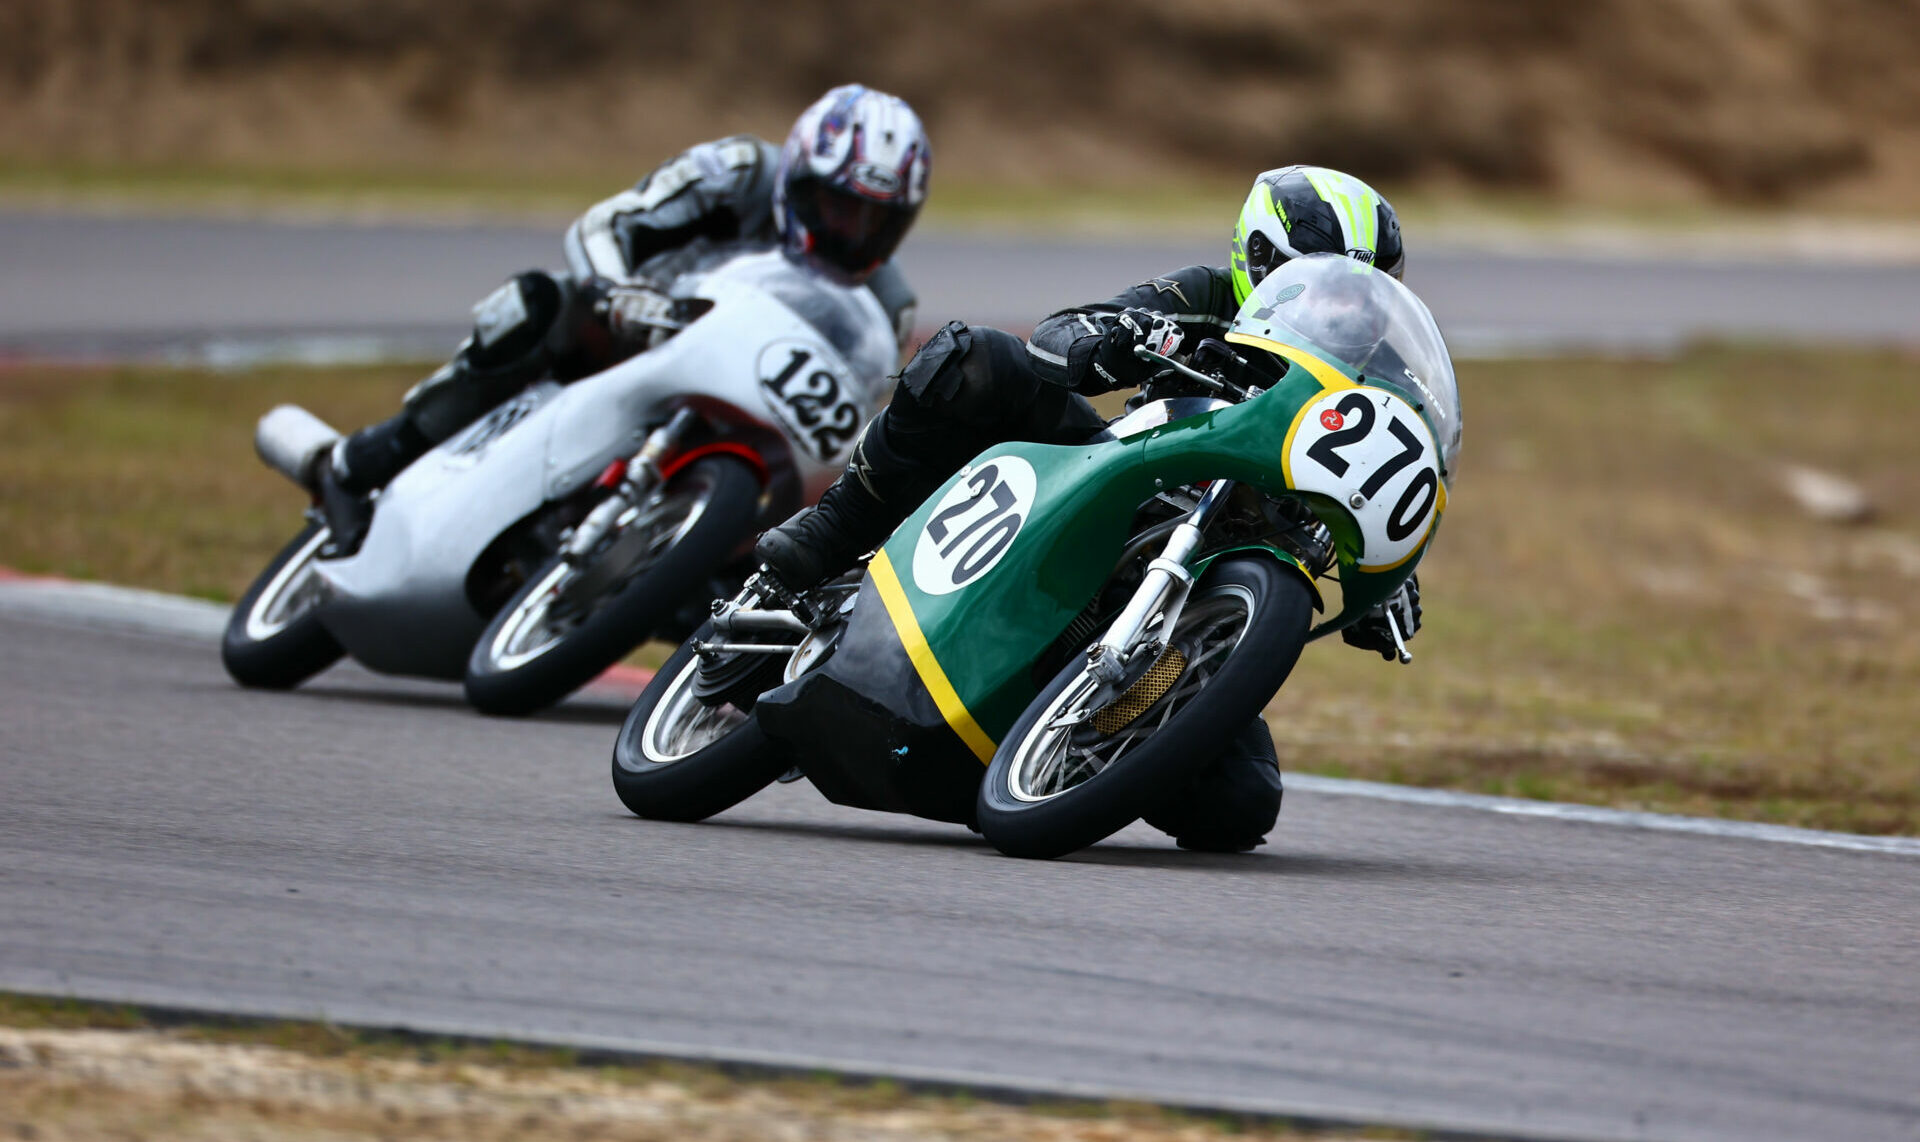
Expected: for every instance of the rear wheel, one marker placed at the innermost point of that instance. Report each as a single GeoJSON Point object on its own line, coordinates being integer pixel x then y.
{"type": "Point", "coordinates": [274, 641]}
{"type": "Point", "coordinates": [572, 621]}
{"type": "Point", "coordinates": [680, 759]}
{"type": "Point", "coordinates": [1081, 765]}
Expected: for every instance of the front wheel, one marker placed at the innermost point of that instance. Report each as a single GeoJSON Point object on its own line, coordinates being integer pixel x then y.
{"type": "Point", "coordinates": [274, 641]}
{"type": "Point", "coordinates": [679, 759]}
{"type": "Point", "coordinates": [1077, 768]}
{"type": "Point", "coordinates": [572, 621]}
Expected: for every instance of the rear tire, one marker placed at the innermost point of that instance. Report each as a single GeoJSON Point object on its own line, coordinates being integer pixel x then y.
{"type": "Point", "coordinates": [273, 640]}
{"type": "Point", "coordinates": [678, 760]}
{"type": "Point", "coordinates": [512, 671]}
{"type": "Point", "coordinates": [1051, 791]}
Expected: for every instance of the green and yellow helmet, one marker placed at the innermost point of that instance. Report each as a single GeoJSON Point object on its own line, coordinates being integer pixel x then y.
{"type": "Point", "coordinates": [1312, 210]}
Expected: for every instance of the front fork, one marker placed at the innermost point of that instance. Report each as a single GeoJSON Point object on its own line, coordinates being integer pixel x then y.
{"type": "Point", "coordinates": [1162, 591]}
{"type": "Point", "coordinates": [642, 475]}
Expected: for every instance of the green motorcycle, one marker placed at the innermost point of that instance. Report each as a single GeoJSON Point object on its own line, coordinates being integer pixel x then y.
{"type": "Point", "coordinates": [1062, 635]}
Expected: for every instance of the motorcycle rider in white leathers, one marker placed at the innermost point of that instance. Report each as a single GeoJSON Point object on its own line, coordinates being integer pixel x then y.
{"type": "Point", "coordinates": [842, 192]}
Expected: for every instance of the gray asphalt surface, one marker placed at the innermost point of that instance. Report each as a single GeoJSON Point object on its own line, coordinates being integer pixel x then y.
{"type": "Point", "coordinates": [368, 850]}
{"type": "Point", "coordinates": [227, 289]}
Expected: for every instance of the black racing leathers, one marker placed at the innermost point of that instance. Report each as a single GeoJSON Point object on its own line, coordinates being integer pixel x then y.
{"type": "Point", "coordinates": [1064, 348]}
{"type": "Point", "coordinates": [969, 388]}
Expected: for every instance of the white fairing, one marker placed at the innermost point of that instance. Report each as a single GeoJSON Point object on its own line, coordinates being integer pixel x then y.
{"type": "Point", "coordinates": [791, 361]}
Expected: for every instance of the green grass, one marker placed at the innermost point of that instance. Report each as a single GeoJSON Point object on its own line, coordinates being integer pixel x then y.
{"type": "Point", "coordinates": [1185, 204]}
{"type": "Point", "coordinates": [147, 476]}
{"type": "Point", "coordinates": [1181, 204]}
{"type": "Point", "coordinates": [1622, 607]}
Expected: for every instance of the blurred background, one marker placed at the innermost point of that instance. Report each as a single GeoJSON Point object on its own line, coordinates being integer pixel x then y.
{"type": "Point", "coordinates": [1676, 244]}
{"type": "Point", "coordinates": [1643, 104]}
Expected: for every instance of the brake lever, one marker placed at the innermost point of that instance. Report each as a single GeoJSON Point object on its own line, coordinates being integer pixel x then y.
{"type": "Point", "coordinates": [1214, 383]}
{"type": "Point", "coordinates": [1399, 644]}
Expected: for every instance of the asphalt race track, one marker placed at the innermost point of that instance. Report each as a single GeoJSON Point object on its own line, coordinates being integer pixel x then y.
{"type": "Point", "coordinates": [370, 851]}
{"type": "Point", "coordinates": [227, 290]}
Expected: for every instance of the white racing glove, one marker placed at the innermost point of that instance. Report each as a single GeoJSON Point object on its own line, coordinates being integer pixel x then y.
{"type": "Point", "coordinates": [633, 312]}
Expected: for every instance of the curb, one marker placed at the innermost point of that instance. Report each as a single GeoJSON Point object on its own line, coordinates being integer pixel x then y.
{"type": "Point", "coordinates": [105, 606]}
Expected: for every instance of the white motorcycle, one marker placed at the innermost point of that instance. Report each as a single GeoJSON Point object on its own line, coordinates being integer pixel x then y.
{"type": "Point", "coordinates": [534, 548]}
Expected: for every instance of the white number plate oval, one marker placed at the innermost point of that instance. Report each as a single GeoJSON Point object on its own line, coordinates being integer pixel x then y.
{"type": "Point", "coordinates": [814, 398]}
{"type": "Point", "coordinates": [1370, 450]}
{"type": "Point", "coordinates": [974, 524]}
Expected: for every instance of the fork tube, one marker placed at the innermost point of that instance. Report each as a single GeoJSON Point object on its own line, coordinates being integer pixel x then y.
{"type": "Point", "coordinates": [643, 472]}
{"type": "Point", "coordinates": [1164, 585]}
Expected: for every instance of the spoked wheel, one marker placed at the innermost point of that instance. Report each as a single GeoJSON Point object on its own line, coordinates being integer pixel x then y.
{"type": "Point", "coordinates": [273, 640]}
{"type": "Point", "coordinates": [679, 758]}
{"type": "Point", "coordinates": [1083, 763]}
{"type": "Point", "coordinates": [571, 621]}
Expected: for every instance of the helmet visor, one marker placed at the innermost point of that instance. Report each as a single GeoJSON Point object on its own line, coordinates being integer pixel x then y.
{"type": "Point", "coordinates": [1262, 255]}
{"type": "Point", "coordinates": [849, 230]}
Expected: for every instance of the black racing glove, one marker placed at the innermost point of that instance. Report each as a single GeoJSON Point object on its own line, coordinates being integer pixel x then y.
{"type": "Point", "coordinates": [1115, 361]}
{"type": "Point", "coordinates": [1372, 632]}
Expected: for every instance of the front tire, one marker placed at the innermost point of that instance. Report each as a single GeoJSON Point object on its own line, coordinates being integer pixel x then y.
{"type": "Point", "coordinates": [531, 656]}
{"type": "Point", "coordinates": [1053, 789]}
{"type": "Point", "coordinates": [274, 641]}
{"type": "Point", "coordinates": [677, 759]}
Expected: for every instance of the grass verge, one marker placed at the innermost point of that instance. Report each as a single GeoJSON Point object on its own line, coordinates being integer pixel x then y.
{"type": "Point", "coordinates": [77, 1070]}
{"type": "Point", "coordinates": [1174, 205]}
{"type": "Point", "coordinates": [1622, 606]}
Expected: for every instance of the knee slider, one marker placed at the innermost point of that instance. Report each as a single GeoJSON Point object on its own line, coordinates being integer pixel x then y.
{"type": "Point", "coordinates": [934, 371]}
{"type": "Point", "coordinates": [511, 323]}
{"type": "Point", "coordinates": [971, 374]}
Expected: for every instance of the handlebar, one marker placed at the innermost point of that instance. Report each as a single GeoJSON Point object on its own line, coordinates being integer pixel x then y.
{"type": "Point", "coordinates": [1215, 383]}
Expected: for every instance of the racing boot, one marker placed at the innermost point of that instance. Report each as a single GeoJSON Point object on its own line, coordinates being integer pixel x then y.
{"type": "Point", "coordinates": [880, 488]}
{"type": "Point", "coordinates": [346, 477]}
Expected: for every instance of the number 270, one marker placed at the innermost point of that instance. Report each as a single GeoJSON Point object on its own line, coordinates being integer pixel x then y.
{"type": "Point", "coordinates": [1410, 511]}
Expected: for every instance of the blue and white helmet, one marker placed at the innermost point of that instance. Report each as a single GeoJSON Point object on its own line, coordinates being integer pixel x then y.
{"type": "Point", "coordinates": [852, 177]}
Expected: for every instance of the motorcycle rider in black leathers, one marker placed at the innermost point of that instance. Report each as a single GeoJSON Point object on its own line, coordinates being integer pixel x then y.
{"type": "Point", "coordinates": [843, 192]}
{"type": "Point", "coordinates": [971, 387]}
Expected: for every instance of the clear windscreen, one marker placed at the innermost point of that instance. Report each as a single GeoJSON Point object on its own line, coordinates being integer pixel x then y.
{"type": "Point", "coordinates": [848, 316]}
{"type": "Point", "coordinates": [1342, 310]}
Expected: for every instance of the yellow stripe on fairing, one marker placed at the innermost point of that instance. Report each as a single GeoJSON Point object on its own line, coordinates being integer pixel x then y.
{"type": "Point", "coordinates": [894, 598]}
{"type": "Point", "coordinates": [1328, 376]}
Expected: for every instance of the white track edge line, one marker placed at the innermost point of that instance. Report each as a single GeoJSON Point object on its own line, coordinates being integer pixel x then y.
{"type": "Point", "coordinates": [105, 605]}
{"type": "Point", "coordinates": [1595, 815]}
{"type": "Point", "coordinates": [96, 604]}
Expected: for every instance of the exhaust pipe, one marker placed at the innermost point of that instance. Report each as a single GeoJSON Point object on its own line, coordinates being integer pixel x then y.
{"type": "Point", "coordinates": [290, 440]}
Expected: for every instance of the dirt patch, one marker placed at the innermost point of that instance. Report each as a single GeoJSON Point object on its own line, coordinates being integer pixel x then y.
{"type": "Point", "coordinates": [1809, 101]}
{"type": "Point", "coordinates": [60, 1085]}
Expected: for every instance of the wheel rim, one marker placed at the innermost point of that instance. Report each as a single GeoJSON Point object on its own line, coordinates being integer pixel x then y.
{"type": "Point", "coordinates": [532, 627]}
{"type": "Point", "coordinates": [294, 590]}
{"type": "Point", "coordinates": [1061, 751]}
{"type": "Point", "coordinates": [680, 725]}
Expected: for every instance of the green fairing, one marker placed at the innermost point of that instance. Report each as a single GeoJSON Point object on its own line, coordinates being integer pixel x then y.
{"type": "Point", "coordinates": [988, 635]}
